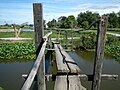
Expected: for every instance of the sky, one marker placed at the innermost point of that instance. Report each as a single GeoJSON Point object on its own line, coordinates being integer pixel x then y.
{"type": "Point", "coordinates": [21, 11]}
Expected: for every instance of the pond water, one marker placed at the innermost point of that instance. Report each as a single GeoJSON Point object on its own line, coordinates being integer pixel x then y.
{"type": "Point", "coordinates": [85, 61]}
{"type": "Point", "coordinates": [11, 73]}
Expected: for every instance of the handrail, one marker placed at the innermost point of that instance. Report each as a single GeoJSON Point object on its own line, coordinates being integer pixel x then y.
{"type": "Point", "coordinates": [36, 65]}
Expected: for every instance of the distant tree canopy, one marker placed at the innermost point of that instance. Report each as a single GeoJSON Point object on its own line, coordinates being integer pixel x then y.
{"type": "Point", "coordinates": [84, 19]}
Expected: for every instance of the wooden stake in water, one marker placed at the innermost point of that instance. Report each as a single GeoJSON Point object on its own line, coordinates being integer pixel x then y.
{"type": "Point", "coordinates": [99, 55]}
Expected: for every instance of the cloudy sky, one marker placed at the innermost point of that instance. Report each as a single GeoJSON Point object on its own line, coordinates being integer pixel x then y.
{"type": "Point", "coordinates": [20, 11]}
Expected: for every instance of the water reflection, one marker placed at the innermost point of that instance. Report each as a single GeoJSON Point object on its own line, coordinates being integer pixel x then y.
{"type": "Point", "coordinates": [11, 74]}
{"type": "Point", "coordinates": [85, 61]}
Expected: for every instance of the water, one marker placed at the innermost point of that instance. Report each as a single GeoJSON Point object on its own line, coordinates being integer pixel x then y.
{"type": "Point", "coordinates": [11, 73]}
{"type": "Point", "coordinates": [85, 61]}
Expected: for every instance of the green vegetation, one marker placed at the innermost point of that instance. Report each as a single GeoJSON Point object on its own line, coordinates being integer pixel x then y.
{"type": "Point", "coordinates": [113, 46]}
{"type": "Point", "coordinates": [17, 50]}
{"type": "Point", "coordinates": [86, 40]}
{"type": "Point", "coordinates": [114, 50]}
{"type": "Point", "coordinates": [1, 88]}
{"type": "Point", "coordinates": [10, 26]}
{"type": "Point", "coordinates": [11, 34]}
{"type": "Point", "coordinates": [83, 20]}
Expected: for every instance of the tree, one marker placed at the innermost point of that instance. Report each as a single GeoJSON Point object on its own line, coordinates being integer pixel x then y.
{"type": "Point", "coordinates": [61, 21]}
{"type": "Point", "coordinates": [87, 16]}
{"type": "Point", "coordinates": [44, 23]}
{"type": "Point", "coordinates": [118, 14]}
{"type": "Point", "coordinates": [85, 24]}
{"type": "Point", "coordinates": [52, 24]}
{"type": "Point", "coordinates": [113, 20]}
{"type": "Point", "coordinates": [70, 22]}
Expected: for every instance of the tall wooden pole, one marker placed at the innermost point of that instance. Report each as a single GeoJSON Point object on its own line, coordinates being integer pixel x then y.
{"type": "Point", "coordinates": [72, 38]}
{"type": "Point", "coordinates": [99, 56]}
{"type": "Point", "coordinates": [39, 33]}
{"type": "Point", "coordinates": [66, 35]}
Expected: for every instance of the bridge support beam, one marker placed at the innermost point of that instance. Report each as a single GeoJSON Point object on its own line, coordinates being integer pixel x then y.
{"type": "Point", "coordinates": [84, 77]}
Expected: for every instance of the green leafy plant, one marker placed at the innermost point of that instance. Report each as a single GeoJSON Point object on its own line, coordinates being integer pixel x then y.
{"type": "Point", "coordinates": [17, 50]}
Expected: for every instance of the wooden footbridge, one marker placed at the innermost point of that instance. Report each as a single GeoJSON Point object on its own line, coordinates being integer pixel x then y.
{"type": "Point", "coordinates": [68, 75]}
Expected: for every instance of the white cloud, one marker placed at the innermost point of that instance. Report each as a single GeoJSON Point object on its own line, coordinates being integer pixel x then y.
{"type": "Point", "coordinates": [101, 9]}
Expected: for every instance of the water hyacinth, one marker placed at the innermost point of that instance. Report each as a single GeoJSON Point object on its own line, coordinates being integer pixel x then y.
{"type": "Point", "coordinates": [17, 50]}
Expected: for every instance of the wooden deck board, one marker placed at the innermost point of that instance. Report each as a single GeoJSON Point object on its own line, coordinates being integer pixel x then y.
{"type": "Point", "coordinates": [71, 63]}
{"type": "Point", "coordinates": [74, 83]}
{"type": "Point", "coordinates": [62, 67]}
{"type": "Point", "coordinates": [70, 83]}
{"type": "Point", "coordinates": [61, 83]}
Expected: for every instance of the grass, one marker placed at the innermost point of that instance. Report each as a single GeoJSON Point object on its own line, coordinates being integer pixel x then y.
{"type": "Point", "coordinates": [12, 34]}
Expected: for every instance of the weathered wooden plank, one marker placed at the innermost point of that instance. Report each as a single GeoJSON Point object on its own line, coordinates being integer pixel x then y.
{"type": "Point", "coordinates": [62, 67]}
{"type": "Point", "coordinates": [74, 83]}
{"type": "Point", "coordinates": [34, 70]}
{"type": "Point", "coordinates": [47, 35]}
{"type": "Point", "coordinates": [61, 83]}
{"type": "Point", "coordinates": [35, 67]}
{"type": "Point", "coordinates": [68, 83]}
{"type": "Point", "coordinates": [71, 63]}
{"type": "Point", "coordinates": [98, 63]}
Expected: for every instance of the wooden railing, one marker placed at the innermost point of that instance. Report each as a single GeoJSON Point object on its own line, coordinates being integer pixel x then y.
{"type": "Point", "coordinates": [36, 65]}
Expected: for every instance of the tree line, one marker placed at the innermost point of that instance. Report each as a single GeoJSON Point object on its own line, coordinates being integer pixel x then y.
{"type": "Point", "coordinates": [84, 19]}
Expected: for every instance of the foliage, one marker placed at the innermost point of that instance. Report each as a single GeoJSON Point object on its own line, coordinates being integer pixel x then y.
{"type": "Point", "coordinates": [9, 26]}
{"type": "Point", "coordinates": [85, 19]}
{"type": "Point", "coordinates": [17, 50]}
{"type": "Point", "coordinates": [87, 16]}
{"type": "Point", "coordinates": [89, 40]}
{"type": "Point", "coordinates": [52, 24]}
{"type": "Point", "coordinates": [70, 22]}
{"type": "Point", "coordinates": [114, 50]}
{"type": "Point", "coordinates": [1, 88]}
{"type": "Point", "coordinates": [113, 20]}
{"type": "Point", "coordinates": [85, 24]}
{"type": "Point", "coordinates": [61, 21]}
{"type": "Point", "coordinates": [110, 39]}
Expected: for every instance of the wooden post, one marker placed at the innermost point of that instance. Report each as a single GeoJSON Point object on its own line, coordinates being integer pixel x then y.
{"type": "Point", "coordinates": [98, 63]}
{"type": "Point", "coordinates": [66, 33]}
{"type": "Point", "coordinates": [72, 38]}
{"type": "Point", "coordinates": [57, 39]}
{"type": "Point", "coordinates": [39, 33]}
